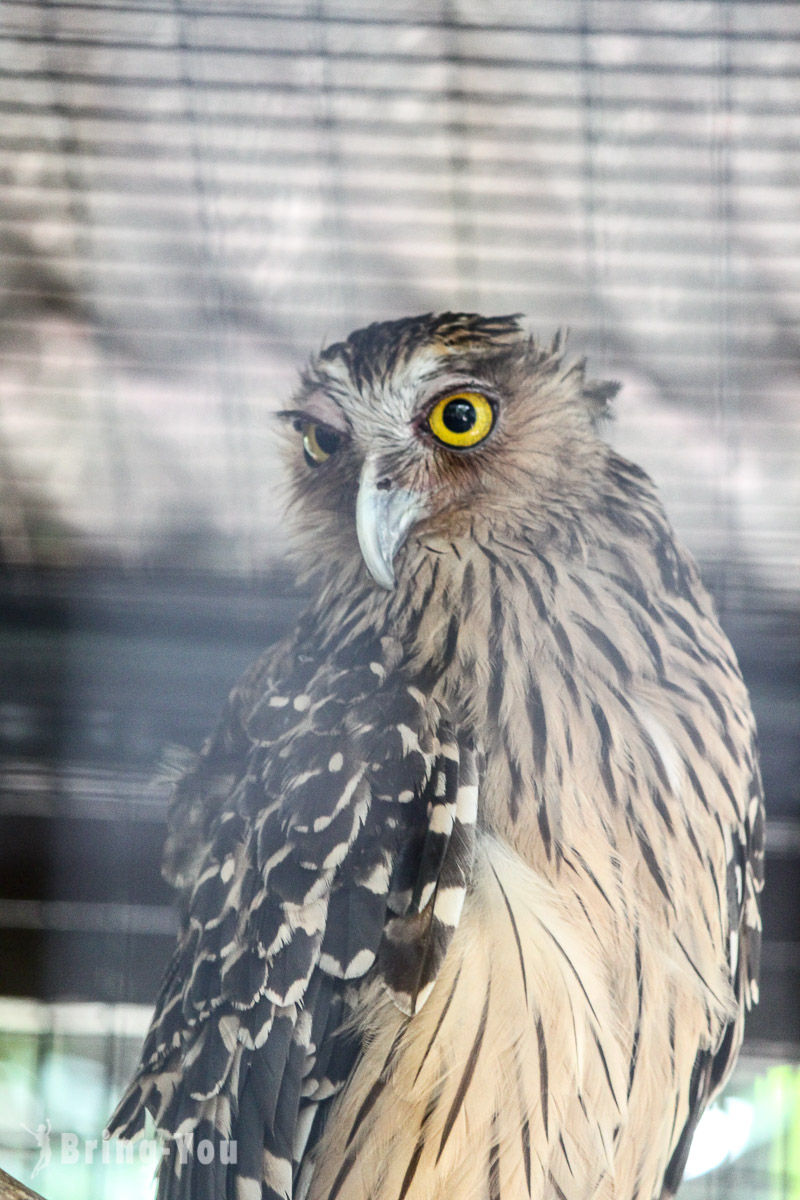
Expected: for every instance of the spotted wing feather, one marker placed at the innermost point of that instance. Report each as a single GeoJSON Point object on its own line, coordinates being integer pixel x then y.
{"type": "Point", "coordinates": [415, 943]}
{"type": "Point", "coordinates": [345, 774]}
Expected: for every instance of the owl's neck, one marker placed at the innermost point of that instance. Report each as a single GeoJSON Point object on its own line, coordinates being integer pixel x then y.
{"type": "Point", "coordinates": [474, 615]}
{"type": "Point", "coordinates": [553, 652]}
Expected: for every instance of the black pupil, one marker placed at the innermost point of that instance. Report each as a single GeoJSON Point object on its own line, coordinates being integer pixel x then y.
{"type": "Point", "coordinates": [459, 416]}
{"type": "Point", "coordinates": [327, 440]}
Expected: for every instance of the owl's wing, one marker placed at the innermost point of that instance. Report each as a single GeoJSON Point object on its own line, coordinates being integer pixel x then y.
{"type": "Point", "coordinates": [343, 848]}
{"type": "Point", "coordinates": [743, 884]}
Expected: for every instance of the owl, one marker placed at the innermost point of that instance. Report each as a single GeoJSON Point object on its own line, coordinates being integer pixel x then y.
{"type": "Point", "coordinates": [469, 871]}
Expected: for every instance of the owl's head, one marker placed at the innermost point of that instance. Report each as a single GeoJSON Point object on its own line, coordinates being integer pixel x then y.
{"type": "Point", "coordinates": [429, 426]}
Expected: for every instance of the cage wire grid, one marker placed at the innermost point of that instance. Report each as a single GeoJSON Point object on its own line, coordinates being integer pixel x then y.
{"type": "Point", "coordinates": [196, 197]}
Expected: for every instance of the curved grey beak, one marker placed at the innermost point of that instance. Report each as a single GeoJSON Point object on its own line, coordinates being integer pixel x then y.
{"type": "Point", "coordinates": [383, 518]}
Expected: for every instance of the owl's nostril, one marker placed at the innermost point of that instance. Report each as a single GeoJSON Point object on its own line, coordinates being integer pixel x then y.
{"type": "Point", "coordinates": [384, 484]}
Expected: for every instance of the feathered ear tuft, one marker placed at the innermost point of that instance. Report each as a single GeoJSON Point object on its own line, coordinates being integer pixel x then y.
{"type": "Point", "coordinates": [559, 342]}
{"type": "Point", "coordinates": [598, 394]}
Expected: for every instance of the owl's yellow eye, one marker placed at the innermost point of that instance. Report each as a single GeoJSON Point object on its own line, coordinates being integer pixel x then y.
{"type": "Point", "coordinates": [461, 420]}
{"type": "Point", "coordinates": [319, 443]}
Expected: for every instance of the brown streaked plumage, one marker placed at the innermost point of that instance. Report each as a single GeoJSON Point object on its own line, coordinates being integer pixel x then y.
{"type": "Point", "coordinates": [471, 867]}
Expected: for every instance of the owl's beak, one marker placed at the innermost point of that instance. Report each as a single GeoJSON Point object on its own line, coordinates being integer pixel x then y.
{"type": "Point", "coordinates": [384, 515]}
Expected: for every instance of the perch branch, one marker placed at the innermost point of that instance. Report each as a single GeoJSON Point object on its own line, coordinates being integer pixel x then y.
{"type": "Point", "coordinates": [12, 1189]}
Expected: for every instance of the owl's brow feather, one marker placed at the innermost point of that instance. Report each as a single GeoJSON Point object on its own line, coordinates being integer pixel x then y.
{"type": "Point", "coordinates": [333, 418]}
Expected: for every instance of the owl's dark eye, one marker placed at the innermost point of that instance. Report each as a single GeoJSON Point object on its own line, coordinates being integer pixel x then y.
{"type": "Point", "coordinates": [319, 443]}
{"type": "Point", "coordinates": [462, 420]}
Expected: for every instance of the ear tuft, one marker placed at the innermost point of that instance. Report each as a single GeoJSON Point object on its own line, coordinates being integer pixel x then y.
{"type": "Point", "coordinates": [559, 342]}
{"type": "Point", "coordinates": [598, 394]}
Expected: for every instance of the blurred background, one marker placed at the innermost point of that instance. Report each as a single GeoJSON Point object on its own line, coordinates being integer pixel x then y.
{"type": "Point", "coordinates": [196, 196]}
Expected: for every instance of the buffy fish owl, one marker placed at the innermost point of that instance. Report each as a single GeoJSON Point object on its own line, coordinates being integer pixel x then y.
{"type": "Point", "coordinates": [470, 869]}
